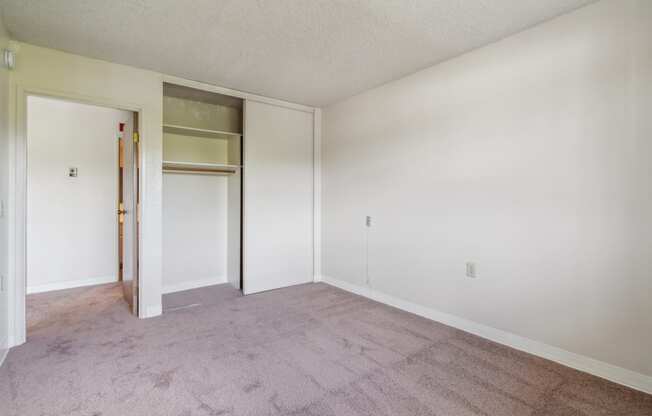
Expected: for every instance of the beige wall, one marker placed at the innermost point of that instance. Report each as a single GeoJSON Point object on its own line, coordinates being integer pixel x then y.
{"type": "Point", "coordinates": [177, 147]}
{"type": "Point", "coordinates": [201, 115]}
{"type": "Point", "coordinates": [206, 149]}
{"type": "Point", "coordinates": [530, 157]}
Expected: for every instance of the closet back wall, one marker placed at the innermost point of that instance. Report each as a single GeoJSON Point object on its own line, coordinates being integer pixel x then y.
{"type": "Point", "coordinates": [194, 231]}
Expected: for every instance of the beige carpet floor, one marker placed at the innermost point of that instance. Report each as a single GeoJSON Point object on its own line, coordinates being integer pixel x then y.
{"type": "Point", "coordinates": [305, 350]}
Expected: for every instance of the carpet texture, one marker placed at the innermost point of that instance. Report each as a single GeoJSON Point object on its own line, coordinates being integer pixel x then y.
{"type": "Point", "coordinates": [305, 350]}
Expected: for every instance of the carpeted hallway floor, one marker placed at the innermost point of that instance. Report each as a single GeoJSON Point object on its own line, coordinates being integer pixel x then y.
{"type": "Point", "coordinates": [306, 350]}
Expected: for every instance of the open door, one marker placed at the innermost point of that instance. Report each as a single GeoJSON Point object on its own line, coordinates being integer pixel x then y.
{"type": "Point", "coordinates": [128, 212]}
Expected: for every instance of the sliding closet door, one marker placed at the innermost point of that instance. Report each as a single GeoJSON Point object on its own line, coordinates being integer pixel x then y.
{"type": "Point", "coordinates": [278, 197]}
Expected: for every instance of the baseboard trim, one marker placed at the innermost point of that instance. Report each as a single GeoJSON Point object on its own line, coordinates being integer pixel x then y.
{"type": "Point", "coordinates": [151, 311]}
{"type": "Point", "coordinates": [194, 284]}
{"type": "Point", "coordinates": [3, 355]}
{"type": "Point", "coordinates": [71, 284]}
{"type": "Point", "coordinates": [4, 350]}
{"type": "Point", "coordinates": [570, 359]}
{"type": "Point", "coordinates": [12, 342]}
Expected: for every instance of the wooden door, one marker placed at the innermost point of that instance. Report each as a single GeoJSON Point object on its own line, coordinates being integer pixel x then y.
{"type": "Point", "coordinates": [130, 214]}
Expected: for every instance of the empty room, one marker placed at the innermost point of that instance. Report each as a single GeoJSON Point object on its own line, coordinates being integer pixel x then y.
{"type": "Point", "coordinates": [326, 208]}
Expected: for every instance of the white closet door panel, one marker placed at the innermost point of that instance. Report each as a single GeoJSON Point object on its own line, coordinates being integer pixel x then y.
{"type": "Point", "coordinates": [278, 197]}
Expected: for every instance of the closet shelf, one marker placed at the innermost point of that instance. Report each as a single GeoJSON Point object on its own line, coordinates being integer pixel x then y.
{"type": "Point", "coordinates": [199, 168]}
{"type": "Point", "coordinates": [193, 131]}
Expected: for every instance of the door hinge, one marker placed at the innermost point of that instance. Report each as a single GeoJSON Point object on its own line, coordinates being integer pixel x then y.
{"type": "Point", "coordinates": [136, 139]}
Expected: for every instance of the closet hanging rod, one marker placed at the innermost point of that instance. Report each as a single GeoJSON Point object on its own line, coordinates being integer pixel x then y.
{"type": "Point", "coordinates": [199, 171]}
{"type": "Point", "coordinates": [200, 164]}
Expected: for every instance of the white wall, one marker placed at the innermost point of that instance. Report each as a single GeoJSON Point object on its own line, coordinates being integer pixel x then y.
{"type": "Point", "coordinates": [194, 231]}
{"type": "Point", "coordinates": [531, 157]}
{"type": "Point", "coordinates": [4, 190]}
{"type": "Point", "coordinates": [71, 222]}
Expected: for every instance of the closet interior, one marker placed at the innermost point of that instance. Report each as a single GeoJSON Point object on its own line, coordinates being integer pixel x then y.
{"type": "Point", "coordinates": [202, 189]}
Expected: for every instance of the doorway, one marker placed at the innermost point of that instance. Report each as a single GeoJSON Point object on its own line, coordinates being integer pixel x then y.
{"type": "Point", "coordinates": [82, 176]}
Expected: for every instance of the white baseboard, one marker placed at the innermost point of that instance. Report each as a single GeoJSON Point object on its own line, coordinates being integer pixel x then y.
{"type": "Point", "coordinates": [3, 355]}
{"type": "Point", "coordinates": [194, 284]}
{"type": "Point", "coordinates": [71, 284]}
{"type": "Point", "coordinates": [12, 341]}
{"type": "Point", "coordinates": [570, 359]}
{"type": "Point", "coordinates": [4, 349]}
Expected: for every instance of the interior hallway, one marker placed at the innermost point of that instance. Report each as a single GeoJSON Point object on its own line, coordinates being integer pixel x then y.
{"type": "Point", "coordinates": [306, 350]}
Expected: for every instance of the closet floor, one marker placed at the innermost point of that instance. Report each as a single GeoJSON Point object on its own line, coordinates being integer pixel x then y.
{"type": "Point", "coordinates": [203, 296]}
{"type": "Point", "coordinates": [304, 350]}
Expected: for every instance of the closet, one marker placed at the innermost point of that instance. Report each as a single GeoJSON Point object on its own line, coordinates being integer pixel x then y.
{"type": "Point", "coordinates": [202, 188]}
{"type": "Point", "coordinates": [238, 201]}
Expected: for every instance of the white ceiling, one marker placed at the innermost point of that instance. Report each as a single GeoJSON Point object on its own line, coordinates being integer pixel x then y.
{"type": "Point", "coordinates": [311, 52]}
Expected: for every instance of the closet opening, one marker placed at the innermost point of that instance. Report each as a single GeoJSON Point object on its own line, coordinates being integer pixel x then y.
{"type": "Point", "coordinates": [202, 196]}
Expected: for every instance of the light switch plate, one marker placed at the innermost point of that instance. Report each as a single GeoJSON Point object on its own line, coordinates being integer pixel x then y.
{"type": "Point", "coordinates": [471, 269]}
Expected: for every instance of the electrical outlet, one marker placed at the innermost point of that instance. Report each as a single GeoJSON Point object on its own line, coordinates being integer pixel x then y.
{"type": "Point", "coordinates": [471, 269]}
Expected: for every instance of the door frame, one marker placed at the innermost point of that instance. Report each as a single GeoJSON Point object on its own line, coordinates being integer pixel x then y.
{"type": "Point", "coordinates": [17, 330]}
{"type": "Point", "coordinates": [119, 207]}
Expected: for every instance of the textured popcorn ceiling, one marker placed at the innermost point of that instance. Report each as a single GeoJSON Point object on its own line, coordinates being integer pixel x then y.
{"type": "Point", "coordinates": [312, 52]}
